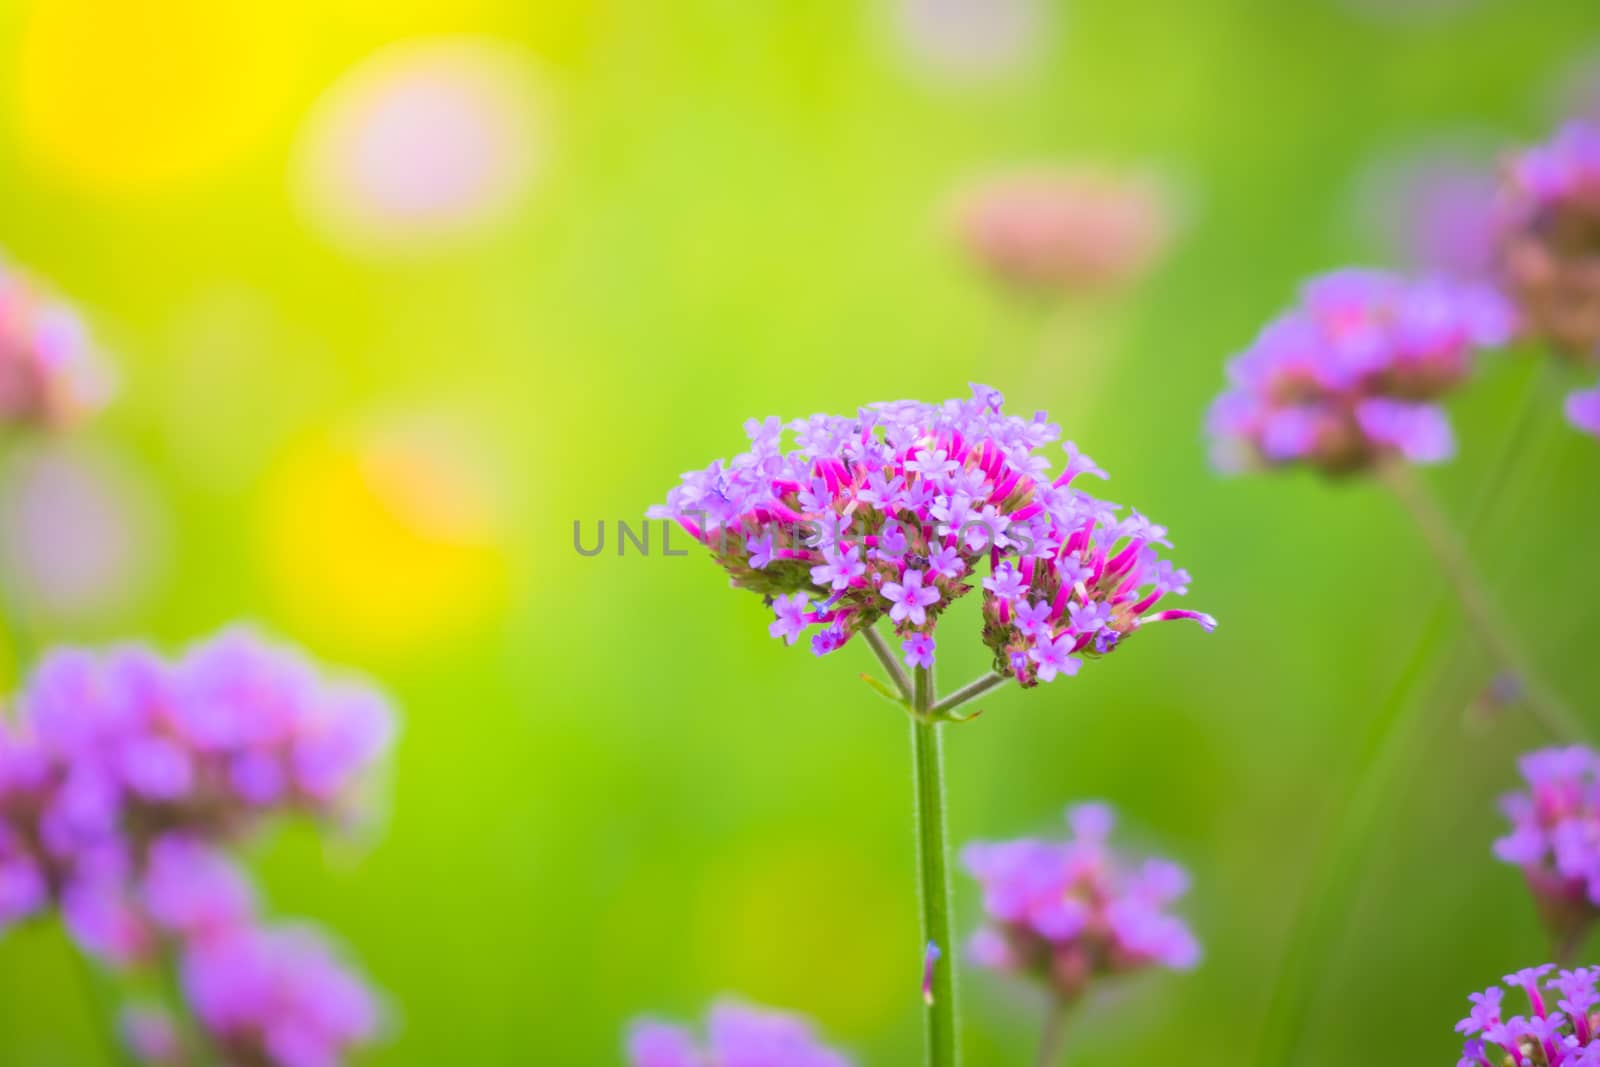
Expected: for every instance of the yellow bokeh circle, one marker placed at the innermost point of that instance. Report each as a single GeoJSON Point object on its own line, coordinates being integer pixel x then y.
{"type": "Point", "coordinates": [130, 96]}
{"type": "Point", "coordinates": [386, 540]}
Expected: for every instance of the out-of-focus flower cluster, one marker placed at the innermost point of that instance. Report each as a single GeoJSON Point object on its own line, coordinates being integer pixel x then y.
{"type": "Point", "coordinates": [738, 1035]}
{"type": "Point", "coordinates": [895, 510]}
{"type": "Point", "coordinates": [121, 782]}
{"type": "Point", "coordinates": [1559, 1029]}
{"type": "Point", "coordinates": [1550, 244]}
{"type": "Point", "coordinates": [1555, 836]}
{"type": "Point", "coordinates": [51, 375]}
{"type": "Point", "coordinates": [1070, 912]}
{"type": "Point", "coordinates": [1352, 374]}
{"type": "Point", "coordinates": [1065, 230]}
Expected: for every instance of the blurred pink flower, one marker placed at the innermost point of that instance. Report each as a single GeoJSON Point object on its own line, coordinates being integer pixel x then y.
{"type": "Point", "coordinates": [1548, 255]}
{"type": "Point", "coordinates": [78, 535]}
{"type": "Point", "coordinates": [422, 141]}
{"type": "Point", "coordinates": [51, 375]}
{"type": "Point", "coordinates": [971, 38]}
{"type": "Point", "coordinates": [1066, 229]}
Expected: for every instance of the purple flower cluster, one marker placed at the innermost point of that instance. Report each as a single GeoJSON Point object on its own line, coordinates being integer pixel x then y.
{"type": "Point", "coordinates": [1352, 374]}
{"type": "Point", "coordinates": [50, 373]}
{"type": "Point", "coordinates": [1555, 835]}
{"type": "Point", "coordinates": [738, 1035]}
{"type": "Point", "coordinates": [1071, 911]}
{"type": "Point", "coordinates": [1550, 244]}
{"type": "Point", "coordinates": [127, 774]}
{"type": "Point", "coordinates": [1558, 1031]}
{"type": "Point", "coordinates": [897, 510]}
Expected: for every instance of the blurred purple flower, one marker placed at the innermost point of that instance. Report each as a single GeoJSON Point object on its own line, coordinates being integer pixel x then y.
{"type": "Point", "coordinates": [119, 787]}
{"type": "Point", "coordinates": [738, 1035]}
{"type": "Point", "coordinates": [1350, 375]}
{"type": "Point", "coordinates": [192, 891]}
{"type": "Point", "coordinates": [1555, 836]}
{"type": "Point", "coordinates": [200, 744]}
{"type": "Point", "coordinates": [1549, 255]}
{"type": "Point", "coordinates": [1583, 410]}
{"type": "Point", "coordinates": [1071, 912]}
{"type": "Point", "coordinates": [975, 493]}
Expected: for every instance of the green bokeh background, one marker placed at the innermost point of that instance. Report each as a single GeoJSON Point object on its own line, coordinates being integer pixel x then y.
{"type": "Point", "coordinates": [617, 795]}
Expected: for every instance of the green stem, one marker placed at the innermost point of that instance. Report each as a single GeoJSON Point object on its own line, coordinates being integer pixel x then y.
{"type": "Point", "coordinates": [1567, 949]}
{"type": "Point", "coordinates": [933, 849]}
{"type": "Point", "coordinates": [1053, 1041]}
{"type": "Point", "coordinates": [891, 666]}
{"type": "Point", "coordinates": [970, 691]}
{"type": "Point", "coordinates": [1477, 603]}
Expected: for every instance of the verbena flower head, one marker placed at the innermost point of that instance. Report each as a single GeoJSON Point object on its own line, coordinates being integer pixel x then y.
{"type": "Point", "coordinates": [738, 1035]}
{"type": "Point", "coordinates": [1538, 1018]}
{"type": "Point", "coordinates": [123, 745]}
{"type": "Point", "coordinates": [1555, 835]}
{"type": "Point", "coordinates": [51, 374]}
{"type": "Point", "coordinates": [1351, 375]}
{"type": "Point", "coordinates": [1070, 912]}
{"type": "Point", "coordinates": [1550, 248]}
{"type": "Point", "coordinates": [1065, 229]}
{"type": "Point", "coordinates": [117, 751]}
{"type": "Point", "coordinates": [899, 510]}
{"type": "Point", "coordinates": [1583, 410]}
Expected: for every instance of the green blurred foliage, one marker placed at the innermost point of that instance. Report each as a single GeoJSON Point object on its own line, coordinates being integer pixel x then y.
{"type": "Point", "coordinates": [621, 796]}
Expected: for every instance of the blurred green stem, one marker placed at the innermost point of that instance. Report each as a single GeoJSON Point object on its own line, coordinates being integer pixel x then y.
{"type": "Point", "coordinates": [1356, 806]}
{"type": "Point", "coordinates": [102, 1010]}
{"type": "Point", "coordinates": [1053, 1041]}
{"type": "Point", "coordinates": [1566, 950]}
{"type": "Point", "coordinates": [933, 849]}
{"type": "Point", "coordinates": [1476, 601]}
{"type": "Point", "coordinates": [197, 1047]}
